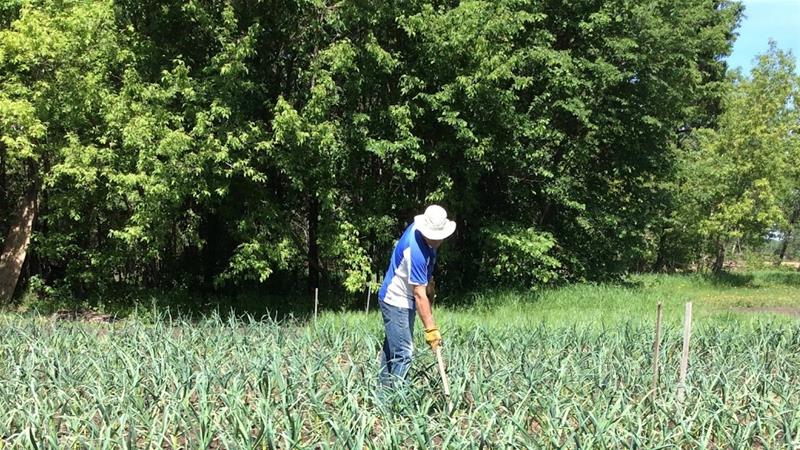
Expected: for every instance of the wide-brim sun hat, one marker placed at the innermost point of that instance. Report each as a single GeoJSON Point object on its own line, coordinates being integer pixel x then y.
{"type": "Point", "coordinates": [434, 224]}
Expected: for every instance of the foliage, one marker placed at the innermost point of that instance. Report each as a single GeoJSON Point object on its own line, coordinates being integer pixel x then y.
{"type": "Point", "coordinates": [520, 257]}
{"type": "Point", "coordinates": [739, 182]}
{"type": "Point", "coordinates": [223, 143]}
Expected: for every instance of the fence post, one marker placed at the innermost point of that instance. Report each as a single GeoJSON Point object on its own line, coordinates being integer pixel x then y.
{"type": "Point", "coordinates": [657, 347]}
{"type": "Point", "coordinates": [316, 304]}
{"type": "Point", "coordinates": [369, 290]}
{"type": "Point", "coordinates": [687, 333]}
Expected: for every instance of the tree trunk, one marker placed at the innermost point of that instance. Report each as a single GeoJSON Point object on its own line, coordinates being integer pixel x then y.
{"type": "Point", "coordinates": [213, 233]}
{"type": "Point", "coordinates": [3, 182]}
{"type": "Point", "coordinates": [545, 214]}
{"type": "Point", "coordinates": [313, 244]}
{"type": "Point", "coordinates": [661, 257]}
{"type": "Point", "coordinates": [788, 235]}
{"type": "Point", "coordinates": [784, 245]}
{"type": "Point", "coordinates": [720, 259]}
{"type": "Point", "coordinates": [16, 245]}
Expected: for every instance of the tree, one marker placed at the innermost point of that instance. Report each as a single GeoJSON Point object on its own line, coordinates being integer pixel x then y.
{"type": "Point", "coordinates": [227, 143]}
{"type": "Point", "coordinates": [56, 60]}
{"type": "Point", "coordinates": [739, 182]}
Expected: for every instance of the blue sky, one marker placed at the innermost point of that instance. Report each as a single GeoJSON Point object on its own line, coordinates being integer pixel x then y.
{"type": "Point", "coordinates": [765, 19]}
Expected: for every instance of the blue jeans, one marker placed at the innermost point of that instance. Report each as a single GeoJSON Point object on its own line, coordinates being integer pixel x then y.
{"type": "Point", "coordinates": [398, 347]}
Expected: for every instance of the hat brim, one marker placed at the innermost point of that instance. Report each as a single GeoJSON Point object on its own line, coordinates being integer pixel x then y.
{"type": "Point", "coordinates": [435, 235]}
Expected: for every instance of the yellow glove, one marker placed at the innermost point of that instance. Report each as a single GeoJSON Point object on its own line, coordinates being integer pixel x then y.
{"type": "Point", "coordinates": [433, 337]}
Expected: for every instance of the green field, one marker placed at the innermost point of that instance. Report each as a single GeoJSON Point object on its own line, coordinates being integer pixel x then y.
{"type": "Point", "coordinates": [563, 368]}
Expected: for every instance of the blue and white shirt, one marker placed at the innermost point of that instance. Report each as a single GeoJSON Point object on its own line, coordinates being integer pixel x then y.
{"type": "Point", "coordinates": [411, 265]}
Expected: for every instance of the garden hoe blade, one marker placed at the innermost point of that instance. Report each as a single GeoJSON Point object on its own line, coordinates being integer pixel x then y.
{"type": "Point", "coordinates": [445, 381]}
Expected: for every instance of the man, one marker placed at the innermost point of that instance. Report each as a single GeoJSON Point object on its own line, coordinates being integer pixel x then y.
{"type": "Point", "coordinates": [404, 290]}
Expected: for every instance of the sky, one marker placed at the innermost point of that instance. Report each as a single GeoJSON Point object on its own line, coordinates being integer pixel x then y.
{"type": "Point", "coordinates": [765, 19]}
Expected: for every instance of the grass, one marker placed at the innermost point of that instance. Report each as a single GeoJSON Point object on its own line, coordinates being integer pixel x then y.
{"type": "Point", "coordinates": [714, 299]}
{"type": "Point", "coordinates": [586, 303]}
{"type": "Point", "coordinates": [562, 368]}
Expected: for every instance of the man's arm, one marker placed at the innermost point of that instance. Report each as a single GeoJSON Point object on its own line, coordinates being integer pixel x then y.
{"type": "Point", "coordinates": [424, 307]}
{"type": "Point", "coordinates": [419, 277]}
{"type": "Point", "coordinates": [432, 335]}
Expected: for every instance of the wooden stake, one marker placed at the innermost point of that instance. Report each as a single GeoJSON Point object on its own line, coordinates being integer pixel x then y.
{"type": "Point", "coordinates": [657, 347]}
{"type": "Point", "coordinates": [369, 291]}
{"type": "Point", "coordinates": [687, 333]}
{"type": "Point", "coordinates": [316, 303]}
{"type": "Point", "coordinates": [445, 381]}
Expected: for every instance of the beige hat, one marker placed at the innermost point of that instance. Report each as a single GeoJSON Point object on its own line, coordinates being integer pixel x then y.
{"type": "Point", "coordinates": [434, 224]}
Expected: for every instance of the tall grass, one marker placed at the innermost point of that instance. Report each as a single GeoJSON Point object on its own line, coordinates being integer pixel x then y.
{"type": "Point", "coordinates": [569, 368]}
{"type": "Point", "coordinates": [247, 384]}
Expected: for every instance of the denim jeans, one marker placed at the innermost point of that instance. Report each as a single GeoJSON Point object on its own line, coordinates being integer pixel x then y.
{"type": "Point", "coordinates": [398, 346]}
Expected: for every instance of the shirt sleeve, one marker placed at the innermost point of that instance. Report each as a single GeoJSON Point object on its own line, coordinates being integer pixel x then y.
{"type": "Point", "coordinates": [418, 275]}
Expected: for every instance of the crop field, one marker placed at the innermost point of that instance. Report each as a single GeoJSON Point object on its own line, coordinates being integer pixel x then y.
{"type": "Point", "coordinates": [200, 200]}
{"type": "Point", "coordinates": [524, 373]}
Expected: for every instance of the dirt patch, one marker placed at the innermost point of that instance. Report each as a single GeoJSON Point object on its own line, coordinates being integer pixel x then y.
{"type": "Point", "coordinates": [793, 311]}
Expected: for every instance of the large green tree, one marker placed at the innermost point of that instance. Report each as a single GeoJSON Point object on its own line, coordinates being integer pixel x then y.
{"type": "Point", "coordinates": [57, 62]}
{"type": "Point", "coordinates": [219, 143]}
{"type": "Point", "coordinates": [739, 181]}
{"type": "Point", "coordinates": [553, 122]}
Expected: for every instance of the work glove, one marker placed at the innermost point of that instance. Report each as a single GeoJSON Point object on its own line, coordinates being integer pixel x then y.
{"type": "Point", "coordinates": [433, 337]}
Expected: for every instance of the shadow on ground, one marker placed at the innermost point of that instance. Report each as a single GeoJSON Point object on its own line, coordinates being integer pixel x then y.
{"type": "Point", "coordinates": [755, 280]}
{"type": "Point", "coordinates": [785, 278]}
{"type": "Point", "coordinates": [730, 279]}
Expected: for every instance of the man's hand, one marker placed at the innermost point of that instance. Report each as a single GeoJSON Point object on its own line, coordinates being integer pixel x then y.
{"type": "Point", "coordinates": [433, 337]}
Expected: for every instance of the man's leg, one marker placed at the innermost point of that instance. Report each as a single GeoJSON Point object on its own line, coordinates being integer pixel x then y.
{"type": "Point", "coordinates": [386, 365]}
{"type": "Point", "coordinates": [385, 377]}
{"type": "Point", "coordinates": [404, 345]}
{"type": "Point", "coordinates": [398, 346]}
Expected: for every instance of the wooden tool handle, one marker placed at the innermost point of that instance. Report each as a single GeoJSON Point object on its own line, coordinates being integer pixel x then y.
{"type": "Point", "coordinates": [445, 381]}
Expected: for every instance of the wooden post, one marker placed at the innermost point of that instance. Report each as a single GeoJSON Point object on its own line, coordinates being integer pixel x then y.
{"type": "Point", "coordinates": [316, 304]}
{"type": "Point", "coordinates": [687, 333]}
{"type": "Point", "coordinates": [369, 290]}
{"type": "Point", "coordinates": [657, 347]}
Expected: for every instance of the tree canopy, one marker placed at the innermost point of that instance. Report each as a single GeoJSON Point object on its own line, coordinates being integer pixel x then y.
{"type": "Point", "coordinates": [215, 144]}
